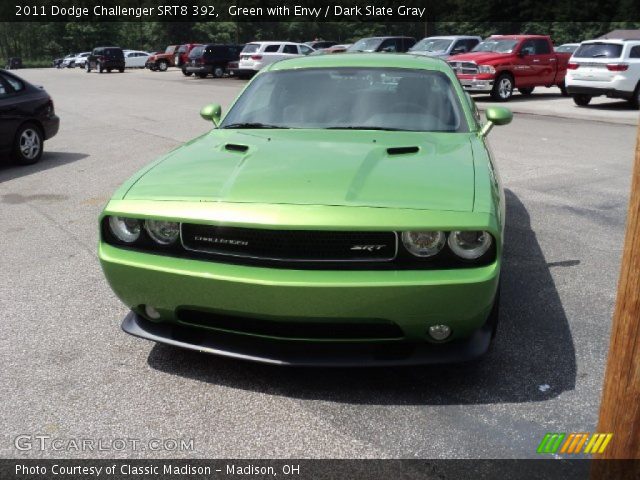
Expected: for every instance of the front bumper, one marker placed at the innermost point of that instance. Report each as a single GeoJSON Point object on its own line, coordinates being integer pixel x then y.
{"type": "Point", "coordinates": [475, 85]}
{"type": "Point", "coordinates": [412, 300]}
{"type": "Point", "coordinates": [279, 352]}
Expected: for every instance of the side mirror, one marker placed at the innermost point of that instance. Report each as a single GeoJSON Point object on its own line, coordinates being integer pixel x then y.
{"type": "Point", "coordinates": [212, 112]}
{"type": "Point", "coordinates": [496, 116]}
{"type": "Point", "coordinates": [458, 50]}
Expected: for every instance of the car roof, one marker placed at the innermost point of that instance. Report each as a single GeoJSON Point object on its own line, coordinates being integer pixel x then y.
{"type": "Point", "coordinates": [381, 60]}
{"type": "Point", "coordinates": [518, 37]}
{"type": "Point", "coordinates": [453, 37]}
{"type": "Point", "coordinates": [611, 40]}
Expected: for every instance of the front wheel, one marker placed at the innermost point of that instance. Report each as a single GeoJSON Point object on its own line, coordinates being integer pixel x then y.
{"type": "Point", "coordinates": [634, 102]}
{"type": "Point", "coordinates": [27, 146]}
{"type": "Point", "coordinates": [121, 70]}
{"type": "Point", "coordinates": [526, 91]}
{"type": "Point", "coordinates": [218, 72]}
{"type": "Point", "coordinates": [163, 66]}
{"type": "Point", "coordinates": [502, 88]}
{"type": "Point", "coordinates": [202, 75]}
{"type": "Point", "coordinates": [582, 100]}
{"type": "Point", "coordinates": [563, 89]}
{"type": "Point", "coordinates": [185, 73]}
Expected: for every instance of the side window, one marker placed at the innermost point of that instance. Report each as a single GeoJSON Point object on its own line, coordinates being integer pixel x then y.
{"type": "Point", "coordinates": [528, 47]}
{"type": "Point", "coordinates": [3, 90]}
{"type": "Point", "coordinates": [16, 84]}
{"type": "Point", "coordinates": [634, 52]}
{"type": "Point", "coordinates": [271, 48]}
{"type": "Point", "coordinates": [292, 49]}
{"type": "Point", "coordinates": [304, 50]}
{"type": "Point", "coordinates": [389, 45]}
{"type": "Point", "coordinates": [542, 47]}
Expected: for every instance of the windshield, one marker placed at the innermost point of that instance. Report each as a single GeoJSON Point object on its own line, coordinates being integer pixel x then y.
{"type": "Point", "coordinates": [365, 45]}
{"type": "Point", "coordinates": [498, 46]}
{"type": "Point", "coordinates": [250, 48]}
{"type": "Point", "coordinates": [196, 52]}
{"type": "Point", "coordinates": [598, 50]}
{"type": "Point", "coordinates": [566, 48]}
{"type": "Point", "coordinates": [431, 45]}
{"type": "Point", "coordinates": [350, 98]}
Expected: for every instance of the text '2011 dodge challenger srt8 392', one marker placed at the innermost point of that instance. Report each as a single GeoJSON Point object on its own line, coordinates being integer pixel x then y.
{"type": "Point", "coordinates": [345, 211]}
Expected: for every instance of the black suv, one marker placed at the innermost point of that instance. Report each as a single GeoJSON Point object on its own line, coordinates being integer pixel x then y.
{"type": "Point", "coordinates": [383, 44]}
{"type": "Point", "coordinates": [212, 59]}
{"type": "Point", "coordinates": [105, 58]}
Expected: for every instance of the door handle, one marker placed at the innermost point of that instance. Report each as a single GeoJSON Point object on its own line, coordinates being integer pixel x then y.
{"type": "Point", "coordinates": [552, 59]}
{"type": "Point", "coordinates": [536, 60]}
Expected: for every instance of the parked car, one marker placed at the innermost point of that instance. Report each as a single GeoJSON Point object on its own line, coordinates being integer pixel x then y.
{"type": "Point", "coordinates": [181, 57]}
{"type": "Point", "coordinates": [67, 62]}
{"type": "Point", "coordinates": [256, 55]}
{"type": "Point", "coordinates": [105, 58]}
{"type": "Point", "coordinates": [501, 63]}
{"type": "Point", "coordinates": [27, 119]}
{"type": "Point", "coordinates": [335, 49]}
{"type": "Point", "coordinates": [605, 67]}
{"type": "Point", "coordinates": [566, 48]}
{"type": "Point", "coordinates": [212, 59]}
{"type": "Point", "coordinates": [135, 58]}
{"type": "Point", "coordinates": [320, 44]}
{"type": "Point", "coordinates": [345, 211]}
{"type": "Point", "coordinates": [80, 59]}
{"type": "Point", "coordinates": [445, 46]}
{"type": "Point", "coordinates": [162, 61]}
{"type": "Point", "coordinates": [383, 44]}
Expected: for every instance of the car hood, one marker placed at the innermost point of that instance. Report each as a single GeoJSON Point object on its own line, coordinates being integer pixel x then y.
{"type": "Point", "coordinates": [479, 57]}
{"type": "Point", "coordinates": [321, 167]}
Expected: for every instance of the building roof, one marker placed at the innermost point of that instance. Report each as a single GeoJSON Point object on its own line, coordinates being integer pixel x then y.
{"type": "Point", "coordinates": [623, 34]}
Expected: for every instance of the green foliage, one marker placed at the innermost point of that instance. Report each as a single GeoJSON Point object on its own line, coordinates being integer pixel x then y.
{"type": "Point", "coordinates": [53, 39]}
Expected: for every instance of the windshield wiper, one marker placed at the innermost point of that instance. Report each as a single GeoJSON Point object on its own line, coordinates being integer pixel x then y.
{"type": "Point", "coordinates": [365, 127]}
{"type": "Point", "coordinates": [252, 125]}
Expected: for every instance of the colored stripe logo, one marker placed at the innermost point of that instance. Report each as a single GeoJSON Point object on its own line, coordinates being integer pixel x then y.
{"type": "Point", "coordinates": [574, 443]}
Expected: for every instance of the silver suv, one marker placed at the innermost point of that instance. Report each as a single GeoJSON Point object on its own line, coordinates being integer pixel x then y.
{"type": "Point", "coordinates": [445, 46]}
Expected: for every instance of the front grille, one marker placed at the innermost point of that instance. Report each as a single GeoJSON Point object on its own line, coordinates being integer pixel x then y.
{"type": "Point", "coordinates": [290, 245]}
{"type": "Point", "coordinates": [331, 329]}
{"type": "Point", "coordinates": [466, 68]}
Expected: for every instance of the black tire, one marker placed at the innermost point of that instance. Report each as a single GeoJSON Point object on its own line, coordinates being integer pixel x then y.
{"type": "Point", "coordinates": [634, 102]}
{"type": "Point", "coordinates": [108, 70]}
{"type": "Point", "coordinates": [582, 100]}
{"type": "Point", "coordinates": [502, 88]}
{"type": "Point", "coordinates": [218, 72]}
{"type": "Point", "coordinates": [563, 89]}
{"type": "Point", "coordinates": [87, 67]}
{"type": "Point", "coordinates": [526, 91]}
{"type": "Point", "coordinates": [163, 65]}
{"type": "Point", "coordinates": [185, 73]}
{"type": "Point", "coordinates": [121, 70]}
{"type": "Point", "coordinates": [25, 153]}
{"type": "Point", "coordinates": [202, 75]}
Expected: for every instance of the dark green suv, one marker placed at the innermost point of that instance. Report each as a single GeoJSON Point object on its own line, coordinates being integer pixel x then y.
{"type": "Point", "coordinates": [105, 58]}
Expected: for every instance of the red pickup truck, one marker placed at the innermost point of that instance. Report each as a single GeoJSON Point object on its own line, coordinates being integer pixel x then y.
{"type": "Point", "coordinates": [503, 62]}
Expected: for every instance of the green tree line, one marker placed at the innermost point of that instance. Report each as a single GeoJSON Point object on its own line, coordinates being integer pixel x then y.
{"type": "Point", "coordinates": [42, 41]}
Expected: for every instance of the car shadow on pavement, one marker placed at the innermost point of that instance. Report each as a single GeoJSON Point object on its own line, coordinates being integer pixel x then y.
{"type": "Point", "coordinates": [532, 359]}
{"type": "Point", "coordinates": [10, 170]}
{"type": "Point", "coordinates": [516, 98]}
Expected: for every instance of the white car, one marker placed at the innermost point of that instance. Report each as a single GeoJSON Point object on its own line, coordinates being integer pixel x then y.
{"type": "Point", "coordinates": [80, 60]}
{"type": "Point", "coordinates": [68, 61]}
{"type": "Point", "coordinates": [135, 58]}
{"type": "Point", "coordinates": [605, 67]}
{"type": "Point", "coordinates": [256, 55]}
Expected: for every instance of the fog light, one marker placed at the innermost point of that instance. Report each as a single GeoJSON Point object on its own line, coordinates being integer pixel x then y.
{"type": "Point", "coordinates": [151, 312]}
{"type": "Point", "coordinates": [439, 332]}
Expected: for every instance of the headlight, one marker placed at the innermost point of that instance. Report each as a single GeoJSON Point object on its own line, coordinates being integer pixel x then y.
{"type": "Point", "coordinates": [423, 244]}
{"type": "Point", "coordinates": [486, 69]}
{"type": "Point", "coordinates": [125, 229]}
{"type": "Point", "coordinates": [164, 233]}
{"type": "Point", "coordinates": [470, 245]}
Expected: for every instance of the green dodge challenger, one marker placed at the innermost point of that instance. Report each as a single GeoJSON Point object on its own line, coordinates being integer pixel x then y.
{"type": "Point", "coordinates": [345, 211]}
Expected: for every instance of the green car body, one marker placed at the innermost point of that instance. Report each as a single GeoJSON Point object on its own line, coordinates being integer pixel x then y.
{"type": "Point", "coordinates": [306, 180]}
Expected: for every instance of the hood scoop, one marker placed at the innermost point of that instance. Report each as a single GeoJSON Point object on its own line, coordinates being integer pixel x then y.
{"type": "Point", "coordinates": [235, 147]}
{"type": "Point", "coordinates": [402, 150]}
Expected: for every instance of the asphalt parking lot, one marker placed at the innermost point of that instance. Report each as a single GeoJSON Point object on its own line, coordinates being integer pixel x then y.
{"type": "Point", "coordinates": [69, 372]}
